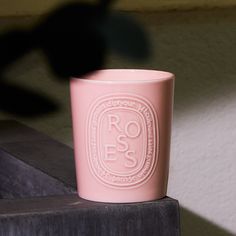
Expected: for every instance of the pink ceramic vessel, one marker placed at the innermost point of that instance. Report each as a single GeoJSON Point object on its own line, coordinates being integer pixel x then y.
{"type": "Point", "coordinates": [122, 127]}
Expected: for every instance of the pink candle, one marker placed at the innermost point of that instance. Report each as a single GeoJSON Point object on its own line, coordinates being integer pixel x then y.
{"type": "Point", "coordinates": [122, 127]}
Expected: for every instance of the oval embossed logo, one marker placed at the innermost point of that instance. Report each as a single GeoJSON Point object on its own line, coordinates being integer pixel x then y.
{"type": "Point", "coordinates": [122, 135]}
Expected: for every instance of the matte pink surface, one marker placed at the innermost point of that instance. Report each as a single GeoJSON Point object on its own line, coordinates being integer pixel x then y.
{"type": "Point", "coordinates": [122, 127]}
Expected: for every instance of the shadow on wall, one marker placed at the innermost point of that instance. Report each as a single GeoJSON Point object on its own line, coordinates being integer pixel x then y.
{"type": "Point", "coordinates": [75, 39]}
{"type": "Point", "coordinates": [195, 225]}
{"type": "Point", "coordinates": [199, 47]}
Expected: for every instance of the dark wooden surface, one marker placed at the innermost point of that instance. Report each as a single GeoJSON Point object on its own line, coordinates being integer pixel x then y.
{"type": "Point", "coordinates": [37, 186]}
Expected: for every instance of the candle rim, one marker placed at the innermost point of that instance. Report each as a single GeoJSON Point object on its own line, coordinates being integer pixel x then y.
{"type": "Point", "coordinates": [143, 76]}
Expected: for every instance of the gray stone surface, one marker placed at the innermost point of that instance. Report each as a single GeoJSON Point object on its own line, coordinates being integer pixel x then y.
{"type": "Point", "coordinates": [34, 170]}
{"type": "Point", "coordinates": [49, 156]}
{"type": "Point", "coordinates": [34, 164]}
{"type": "Point", "coordinates": [69, 216]}
{"type": "Point", "coordinates": [20, 180]}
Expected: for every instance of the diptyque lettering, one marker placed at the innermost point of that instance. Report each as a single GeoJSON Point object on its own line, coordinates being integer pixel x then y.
{"type": "Point", "coordinates": [122, 137]}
